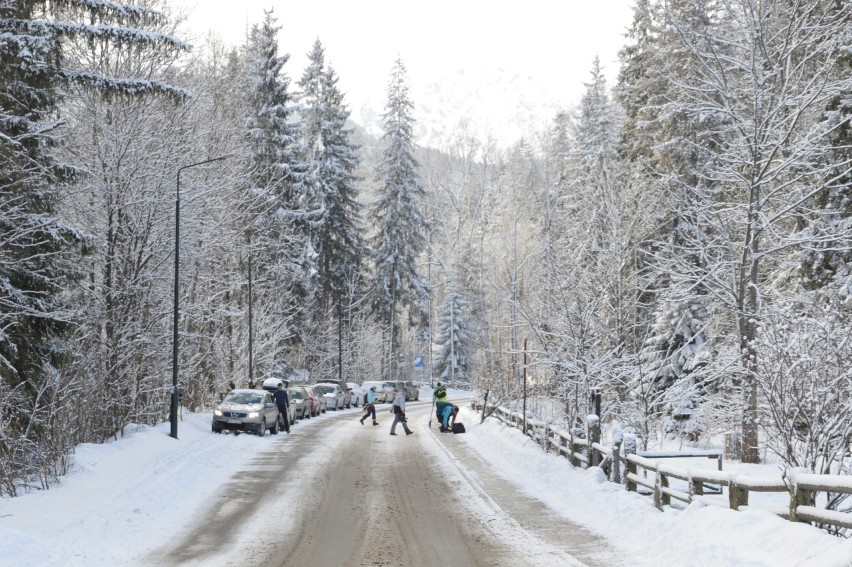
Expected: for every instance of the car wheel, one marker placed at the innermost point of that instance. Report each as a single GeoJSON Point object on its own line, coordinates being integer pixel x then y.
{"type": "Point", "coordinates": [217, 429]}
{"type": "Point", "coordinates": [261, 431]}
{"type": "Point", "coordinates": [275, 428]}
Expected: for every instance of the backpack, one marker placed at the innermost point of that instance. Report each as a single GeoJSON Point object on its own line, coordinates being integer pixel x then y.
{"type": "Point", "coordinates": [458, 427]}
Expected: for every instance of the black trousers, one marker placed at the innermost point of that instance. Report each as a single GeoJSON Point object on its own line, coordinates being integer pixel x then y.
{"type": "Point", "coordinates": [371, 411]}
{"type": "Point", "coordinates": [283, 414]}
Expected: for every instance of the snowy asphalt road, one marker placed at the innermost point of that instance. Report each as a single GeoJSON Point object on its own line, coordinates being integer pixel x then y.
{"type": "Point", "coordinates": [335, 493]}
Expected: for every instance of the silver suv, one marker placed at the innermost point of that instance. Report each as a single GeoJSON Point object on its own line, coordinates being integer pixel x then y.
{"type": "Point", "coordinates": [411, 389]}
{"type": "Point", "coordinates": [251, 411]}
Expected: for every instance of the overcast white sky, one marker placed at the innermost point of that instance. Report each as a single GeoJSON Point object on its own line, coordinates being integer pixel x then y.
{"type": "Point", "coordinates": [549, 42]}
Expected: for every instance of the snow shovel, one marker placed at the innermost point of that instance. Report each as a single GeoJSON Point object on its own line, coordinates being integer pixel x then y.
{"type": "Point", "coordinates": [430, 414]}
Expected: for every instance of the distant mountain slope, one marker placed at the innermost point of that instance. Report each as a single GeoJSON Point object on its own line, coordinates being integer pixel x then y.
{"type": "Point", "coordinates": [493, 102]}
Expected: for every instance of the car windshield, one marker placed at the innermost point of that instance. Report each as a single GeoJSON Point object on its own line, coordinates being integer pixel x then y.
{"type": "Point", "coordinates": [327, 389]}
{"type": "Point", "coordinates": [296, 394]}
{"type": "Point", "coordinates": [244, 398]}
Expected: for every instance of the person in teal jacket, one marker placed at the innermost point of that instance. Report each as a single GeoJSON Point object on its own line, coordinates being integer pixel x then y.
{"type": "Point", "coordinates": [370, 406]}
{"type": "Point", "coordinates": [448, 411]}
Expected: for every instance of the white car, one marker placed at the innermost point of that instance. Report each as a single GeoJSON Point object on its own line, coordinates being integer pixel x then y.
{"type": "Point", "coordinates": [359, 394]}
{"type": "Point", "coordinates": [334, 396]}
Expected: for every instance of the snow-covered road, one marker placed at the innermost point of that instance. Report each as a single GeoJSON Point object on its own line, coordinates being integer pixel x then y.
{"type": "Point", "coordinates": [338, 493]}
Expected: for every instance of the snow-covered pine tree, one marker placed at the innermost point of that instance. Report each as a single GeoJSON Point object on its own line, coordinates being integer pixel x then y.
{"type": "Point", "coordinates": [666, 151]}
{"type": "Point", "coordinates": [599, 279]}
{"type": "Point", "coordinates": [329, 183]}
{"type": "Point", "coordinates": [329, 188]}
{"type": "Point", "coordinates": [39, 255]}
{"type": "Point", "coordinates": [456, 349]}
{"type": "Point", "coordinates": [398, 219]}
{"type": "Point", "coordinates": [826, 257]}
{"type": "Point", "coordinates": [282, 253]}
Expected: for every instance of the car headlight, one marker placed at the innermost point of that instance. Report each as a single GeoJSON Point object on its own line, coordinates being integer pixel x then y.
{"type": "Point", "coordinates": [253, 414]}
{"type": "Point", "coordinates": [217, 412]}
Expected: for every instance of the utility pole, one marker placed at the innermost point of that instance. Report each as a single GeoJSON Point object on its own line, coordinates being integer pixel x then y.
{"type": "Point", "coordinates": [173, 409]}
{"type": "Point", "coordinates": [250, 322]}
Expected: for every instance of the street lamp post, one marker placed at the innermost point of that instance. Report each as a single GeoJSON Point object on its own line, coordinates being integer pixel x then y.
{"type": "Point", "coordinates": [173, 412]}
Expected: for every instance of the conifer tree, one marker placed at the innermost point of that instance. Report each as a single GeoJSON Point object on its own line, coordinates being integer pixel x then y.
{"type": "Point", "coordinates": [456, 350]}
{"type": "Point", "coordinates": [826, 256]}
{"type": "Point", "coordinates": [284, 257]}
{"type": "Point", "coordinates": [39, 256]}
{"type": "Point", "coordinates": [398, 217]}
{"type": "Point", "coordinates": [329, 184]}
{"type": "Point", "coordinates": [329, 190]}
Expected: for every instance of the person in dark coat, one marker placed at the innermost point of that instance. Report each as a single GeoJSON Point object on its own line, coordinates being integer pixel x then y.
{"type": "Point", "coordinates": [282, 400]}
{"type": "Point", "coordinates": [231, 387]}
{"type": "Point", "coordinates": [440, 394]}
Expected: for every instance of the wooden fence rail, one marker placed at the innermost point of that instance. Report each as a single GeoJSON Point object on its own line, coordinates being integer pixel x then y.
{"type": "Point", "coordinates": [648, 471]}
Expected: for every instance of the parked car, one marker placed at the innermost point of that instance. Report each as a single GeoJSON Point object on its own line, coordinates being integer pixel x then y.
{"type": "Point", "coordinates": [347, 390]}
{"type": "Point", "coordinates": [359, 394]}
{"type": "Point", "coordinates": [320, 403]}
{"type": "Point", "coordinates": [333, 394]}
{"type": "Point", "coordinates": [401, 386]}
{"type": "Point", "coordinates": [300, 401]}
{"type": "Point", "coordinates": [252, 411]}
{"type": "Point", "coordinates": [412, 389]}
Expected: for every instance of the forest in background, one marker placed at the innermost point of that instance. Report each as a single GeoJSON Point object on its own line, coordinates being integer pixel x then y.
{"type": "Point", "coordinates": [679, 241]}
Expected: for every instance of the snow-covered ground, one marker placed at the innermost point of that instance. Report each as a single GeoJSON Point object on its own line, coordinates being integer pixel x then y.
{"type": "Point", "coordinates": [126, 498]}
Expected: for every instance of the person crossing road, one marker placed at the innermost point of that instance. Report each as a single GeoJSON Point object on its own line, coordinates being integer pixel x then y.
{"type": "Point", "coordinates": [370, 406]}
{"type": "Point", "coordinates": [398, 410]}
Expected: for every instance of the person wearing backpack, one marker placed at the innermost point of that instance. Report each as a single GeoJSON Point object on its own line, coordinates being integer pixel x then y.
{"type": "Point", "coordinates": [398, 410]}
{"type": "Point", "coordinates": [370, 406]}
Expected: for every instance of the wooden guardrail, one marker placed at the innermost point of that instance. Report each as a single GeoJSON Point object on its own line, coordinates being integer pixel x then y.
{"type": "Point", "coordinates": [587, 450]}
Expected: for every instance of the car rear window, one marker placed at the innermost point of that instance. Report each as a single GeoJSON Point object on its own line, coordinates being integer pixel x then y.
{"type": "Point", "coordinates": [327, 389]}
{"type": "Point", "coordinates": [296, 394]}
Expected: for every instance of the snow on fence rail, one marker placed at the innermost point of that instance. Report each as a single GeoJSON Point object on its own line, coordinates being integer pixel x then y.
{"type": "Point", "coordinates": [588, 451]}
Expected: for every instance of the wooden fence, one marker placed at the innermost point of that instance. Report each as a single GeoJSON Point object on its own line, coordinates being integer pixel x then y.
{"type": "Point", "coordinates": [648, 471]}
